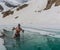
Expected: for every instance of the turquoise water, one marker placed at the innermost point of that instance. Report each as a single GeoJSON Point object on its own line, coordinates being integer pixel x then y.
{"type": "Point", "coordinates": [32, 41]}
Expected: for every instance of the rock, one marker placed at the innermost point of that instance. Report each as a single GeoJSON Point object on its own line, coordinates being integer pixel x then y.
{"type": "Point", "coordinates": [1, 8]}
{"type": "Point", "coordinates": [51, 2]}
{"type": "Point", "coordinates": [16, 17]}
{"type": "Point", "coordinates": [21, 7]}
{"type": "Point", "coordinates": [57, 3]}
{"type": "Point", "coordinates": [6, 13]}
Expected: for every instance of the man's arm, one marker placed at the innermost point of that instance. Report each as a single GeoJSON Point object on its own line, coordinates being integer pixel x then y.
{"type": "Point", "coordinates": [23, 31]}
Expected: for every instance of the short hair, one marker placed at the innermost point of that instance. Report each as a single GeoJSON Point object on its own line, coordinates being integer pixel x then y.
{"type": "Point", "coordinates": [19, 25]}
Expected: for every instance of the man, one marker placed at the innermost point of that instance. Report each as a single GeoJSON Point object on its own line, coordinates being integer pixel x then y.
{"type": "Point", "coordinates": [18, 29]}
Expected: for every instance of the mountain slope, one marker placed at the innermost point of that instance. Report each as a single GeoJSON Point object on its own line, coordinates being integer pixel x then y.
{"type": "Point", "coordinates": [7, 4]}
{"type": "Point", "coordinates": [29, 16]}
{"type": "Point", "coordinates": [3, 7]}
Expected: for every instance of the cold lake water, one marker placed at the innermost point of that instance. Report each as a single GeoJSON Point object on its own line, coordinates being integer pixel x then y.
{"type": "Point", "coordinates": [33, 41]}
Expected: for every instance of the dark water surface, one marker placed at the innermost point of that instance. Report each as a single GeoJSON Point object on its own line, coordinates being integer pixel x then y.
{"type": "Point", "coordinates": [32, 41]}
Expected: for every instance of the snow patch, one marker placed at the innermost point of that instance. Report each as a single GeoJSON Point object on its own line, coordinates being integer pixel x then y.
{"type": "Point", "coordinates": [12, 2]}
{"type": "Point", "coordinates": [1, 41]}
{"type": "Point", "coordinates": [2, 47]}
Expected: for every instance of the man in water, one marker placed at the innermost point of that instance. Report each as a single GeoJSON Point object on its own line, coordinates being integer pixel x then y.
{"type": "Point", "coordinates": [18, 29]}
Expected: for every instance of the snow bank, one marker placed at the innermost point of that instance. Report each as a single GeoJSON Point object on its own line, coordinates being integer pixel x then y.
{"type": "Point", "coordinates": [1, 41]}
{"type": "Point", "coordinates": [44, 32]}
{"type": "Point", "coordinates": [0, 34]}
{"type": "Point", "coordinates": [2, 47]}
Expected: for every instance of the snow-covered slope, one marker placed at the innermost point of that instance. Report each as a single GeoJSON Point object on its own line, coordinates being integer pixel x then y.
{"type": "Point", "coordinates": [12, 2]}
{"type": "Point", "coordinates": [7, 4]}
{"type": "Point", "coordinates": [4, 6]}
{"type": "Point", "coordinates": [22, 1]}
{"type": "Point", "coordinates": [29, 10]}
{"type": "Point", "coordinates": [29, 16]}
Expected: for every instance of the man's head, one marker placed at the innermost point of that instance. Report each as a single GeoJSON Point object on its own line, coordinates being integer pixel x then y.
{"type": "Point", "coordinates": [19, 25]}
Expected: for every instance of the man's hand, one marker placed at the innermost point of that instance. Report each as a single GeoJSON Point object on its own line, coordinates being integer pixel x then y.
{"type": "Point", "coordinates": [23, 31]}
